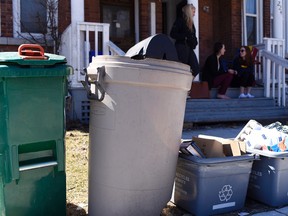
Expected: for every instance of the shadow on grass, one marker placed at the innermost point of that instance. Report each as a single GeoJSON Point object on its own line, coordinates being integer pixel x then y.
{"type": "Point", "coordinates": [76, 125]}
{"type": "Point", "coordinates": [74, 210]}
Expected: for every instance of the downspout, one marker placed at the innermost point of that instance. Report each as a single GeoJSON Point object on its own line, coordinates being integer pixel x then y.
{"type": "Point", "coordinates": [136, 15]}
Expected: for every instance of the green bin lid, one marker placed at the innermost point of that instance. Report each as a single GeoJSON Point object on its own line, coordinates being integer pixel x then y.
{"type": "Point", "coordinates": [15, 58]}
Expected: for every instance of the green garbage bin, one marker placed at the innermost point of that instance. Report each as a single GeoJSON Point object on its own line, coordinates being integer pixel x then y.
{"type": "Point", "coordinates": [33, 86]}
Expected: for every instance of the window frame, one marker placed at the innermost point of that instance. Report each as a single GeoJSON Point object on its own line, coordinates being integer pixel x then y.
{"type": "Point", "coordinates": [259, 22]}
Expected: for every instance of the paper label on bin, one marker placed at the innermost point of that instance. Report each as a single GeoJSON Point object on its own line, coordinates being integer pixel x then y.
{"type": "Point", "coordinates": [224, 205]}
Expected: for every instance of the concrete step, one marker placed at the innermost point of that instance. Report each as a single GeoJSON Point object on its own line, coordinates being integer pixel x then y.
{"type": "Point", "coordinates": [229, 115]}
{"type": "Point", "coordinates": [195, 104]}
{"type": "Point", "coordinates": [219, 110]}
{"type": "Point", "coordinates": [258, 92]}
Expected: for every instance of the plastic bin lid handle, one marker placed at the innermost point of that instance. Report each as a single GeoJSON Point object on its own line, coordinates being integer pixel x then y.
{"type": "Point", "coordinates": [31, 51]}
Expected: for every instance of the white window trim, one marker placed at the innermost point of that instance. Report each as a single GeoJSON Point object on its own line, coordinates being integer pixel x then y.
{"type": "Point", "coordinates": [259, 21]}
{"type": "Point", "coordinates": [153, 18]}
{"type": "Point", "coordinates": [16, 18]}
{"type": "Point", "coordinates": [16, 22]}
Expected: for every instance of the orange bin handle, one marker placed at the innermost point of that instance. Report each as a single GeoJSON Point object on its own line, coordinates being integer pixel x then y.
{"type": "Point", "coordinates": [31, 51]}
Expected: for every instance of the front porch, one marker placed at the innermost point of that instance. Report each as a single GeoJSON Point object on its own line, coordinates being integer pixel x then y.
{"type": "Point", "coordinates": [270, 102]}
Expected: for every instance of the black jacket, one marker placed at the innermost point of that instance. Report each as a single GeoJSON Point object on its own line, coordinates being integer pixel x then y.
{"type": "Point", "coordinates": [242, 67]}
{"type": "Point", "coordinates": [182, 34]}
{"type": "Point", "coordinates": [210, 69]}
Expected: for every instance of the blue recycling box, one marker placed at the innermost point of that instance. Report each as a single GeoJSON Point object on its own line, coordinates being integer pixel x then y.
{"type": "Point", "coordinates": [268, 180]}
{"type": "Point", "coordinates": [209, 186]}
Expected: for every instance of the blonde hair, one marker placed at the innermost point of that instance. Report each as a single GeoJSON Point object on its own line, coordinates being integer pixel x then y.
{"type": "Point", "coordinates": [188, 15]}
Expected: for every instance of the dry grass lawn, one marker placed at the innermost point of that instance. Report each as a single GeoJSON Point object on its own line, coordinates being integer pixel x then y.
{"type": "Point", "coordinates": [77, 141]}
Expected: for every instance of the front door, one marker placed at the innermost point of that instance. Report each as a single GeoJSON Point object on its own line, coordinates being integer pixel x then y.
{"type": "Point", "coordinates": [120, 15]}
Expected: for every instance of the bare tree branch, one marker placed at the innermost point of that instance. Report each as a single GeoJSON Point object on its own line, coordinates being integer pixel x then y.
{"type": "Point", "coordinates": [48, 28]}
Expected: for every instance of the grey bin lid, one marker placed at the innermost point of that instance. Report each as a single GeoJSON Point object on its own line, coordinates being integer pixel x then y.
{"type": "Point", "coordinates": [158, 46]}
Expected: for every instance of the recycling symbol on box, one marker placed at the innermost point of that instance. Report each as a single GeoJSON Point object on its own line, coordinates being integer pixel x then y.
{"type": "Point", "coordinates": [226, 193]}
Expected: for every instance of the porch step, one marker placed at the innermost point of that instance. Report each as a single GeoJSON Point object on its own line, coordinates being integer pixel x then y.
{"type": "Point", "coordinates": [235, 92]}
{"type": "Point", "coordinates": [217, 110]}
{"type": "Point", "coordinates": [212, 104]}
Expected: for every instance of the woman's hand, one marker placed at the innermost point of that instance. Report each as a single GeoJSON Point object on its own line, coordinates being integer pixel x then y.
{"type": "Point", "coordinates": [231, 71]}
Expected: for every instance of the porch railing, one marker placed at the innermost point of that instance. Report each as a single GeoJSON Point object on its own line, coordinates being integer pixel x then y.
{"type": "Point", "coordinates": [272, 69]}
{"type": "Point", "coordinates": [81, 42]}
{"type": "Point", "coordinates": [101, 47]}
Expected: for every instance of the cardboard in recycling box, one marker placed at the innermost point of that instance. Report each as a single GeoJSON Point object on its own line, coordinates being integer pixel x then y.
{"type": "Point", "coordinates": [212, 146]}
{"type": "Point", "coordinates": [216, 184]}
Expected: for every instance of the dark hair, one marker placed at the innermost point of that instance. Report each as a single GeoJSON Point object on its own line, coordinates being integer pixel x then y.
{"type": "Point", "coordinates": [217, 47]}
{"type": "Point", "coordinates": [248, 58]}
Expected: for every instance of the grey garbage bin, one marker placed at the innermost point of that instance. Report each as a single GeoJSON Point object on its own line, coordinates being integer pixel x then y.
{"type": "Point", "coordinates": [135, 128]}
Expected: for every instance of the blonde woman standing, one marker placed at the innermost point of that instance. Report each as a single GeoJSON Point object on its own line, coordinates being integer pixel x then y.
{"type": "Point", "coordinates": [184, 33]}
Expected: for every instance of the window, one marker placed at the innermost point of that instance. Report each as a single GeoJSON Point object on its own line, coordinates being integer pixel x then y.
{"type": "Point", "coordinates": [33, 16]}
{"type": "Point", "coordinates": [252, 21]}
{"type": "Point", "coordinates": [121, 20]}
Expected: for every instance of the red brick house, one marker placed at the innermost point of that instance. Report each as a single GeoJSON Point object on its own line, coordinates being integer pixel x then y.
{"type": "Point", "coordinates": [217, 20]}
{"type": "Point", "coordinates": [233, 22]}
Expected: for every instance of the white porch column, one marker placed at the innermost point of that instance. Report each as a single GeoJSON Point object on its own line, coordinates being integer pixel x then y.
{"type": "Point", "coordinates": [77, 11]}
{"type": "Point", "coordinates": [278, 23]}
{"type": "Point", "coordinates": [77, 15]}
{"type": "Point", "coordinates": [152, 18]}
{"type": "Point", "coordinates": [196, 23]}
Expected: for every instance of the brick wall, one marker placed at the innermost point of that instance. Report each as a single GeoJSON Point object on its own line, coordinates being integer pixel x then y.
{"type": "Point", "coordinates": [6, 18]}
{"type": "Point", "coordinates": [267, 22]}
{"type": "Point", "coordinates": [235, 28]}
{"type": "Point", "coordinates": [64, 15]}
{"type": "Point", "coordinates": [144, 14]}
{"type": "Point", "coordinates": [221, 22]}
{"type": "Point", "coordinates": [206, 30]}
{"type": "Point", "coordinates": [92, 10]}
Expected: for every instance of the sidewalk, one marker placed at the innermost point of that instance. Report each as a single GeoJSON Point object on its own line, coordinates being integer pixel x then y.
{"type": "Point", "coordinates": [230, 131]}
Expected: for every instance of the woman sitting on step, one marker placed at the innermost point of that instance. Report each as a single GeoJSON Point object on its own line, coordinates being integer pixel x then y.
{"type": "Point", "coordinates": [244, 66]}
{"type": "Point", "coordinates": [216, 72]}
